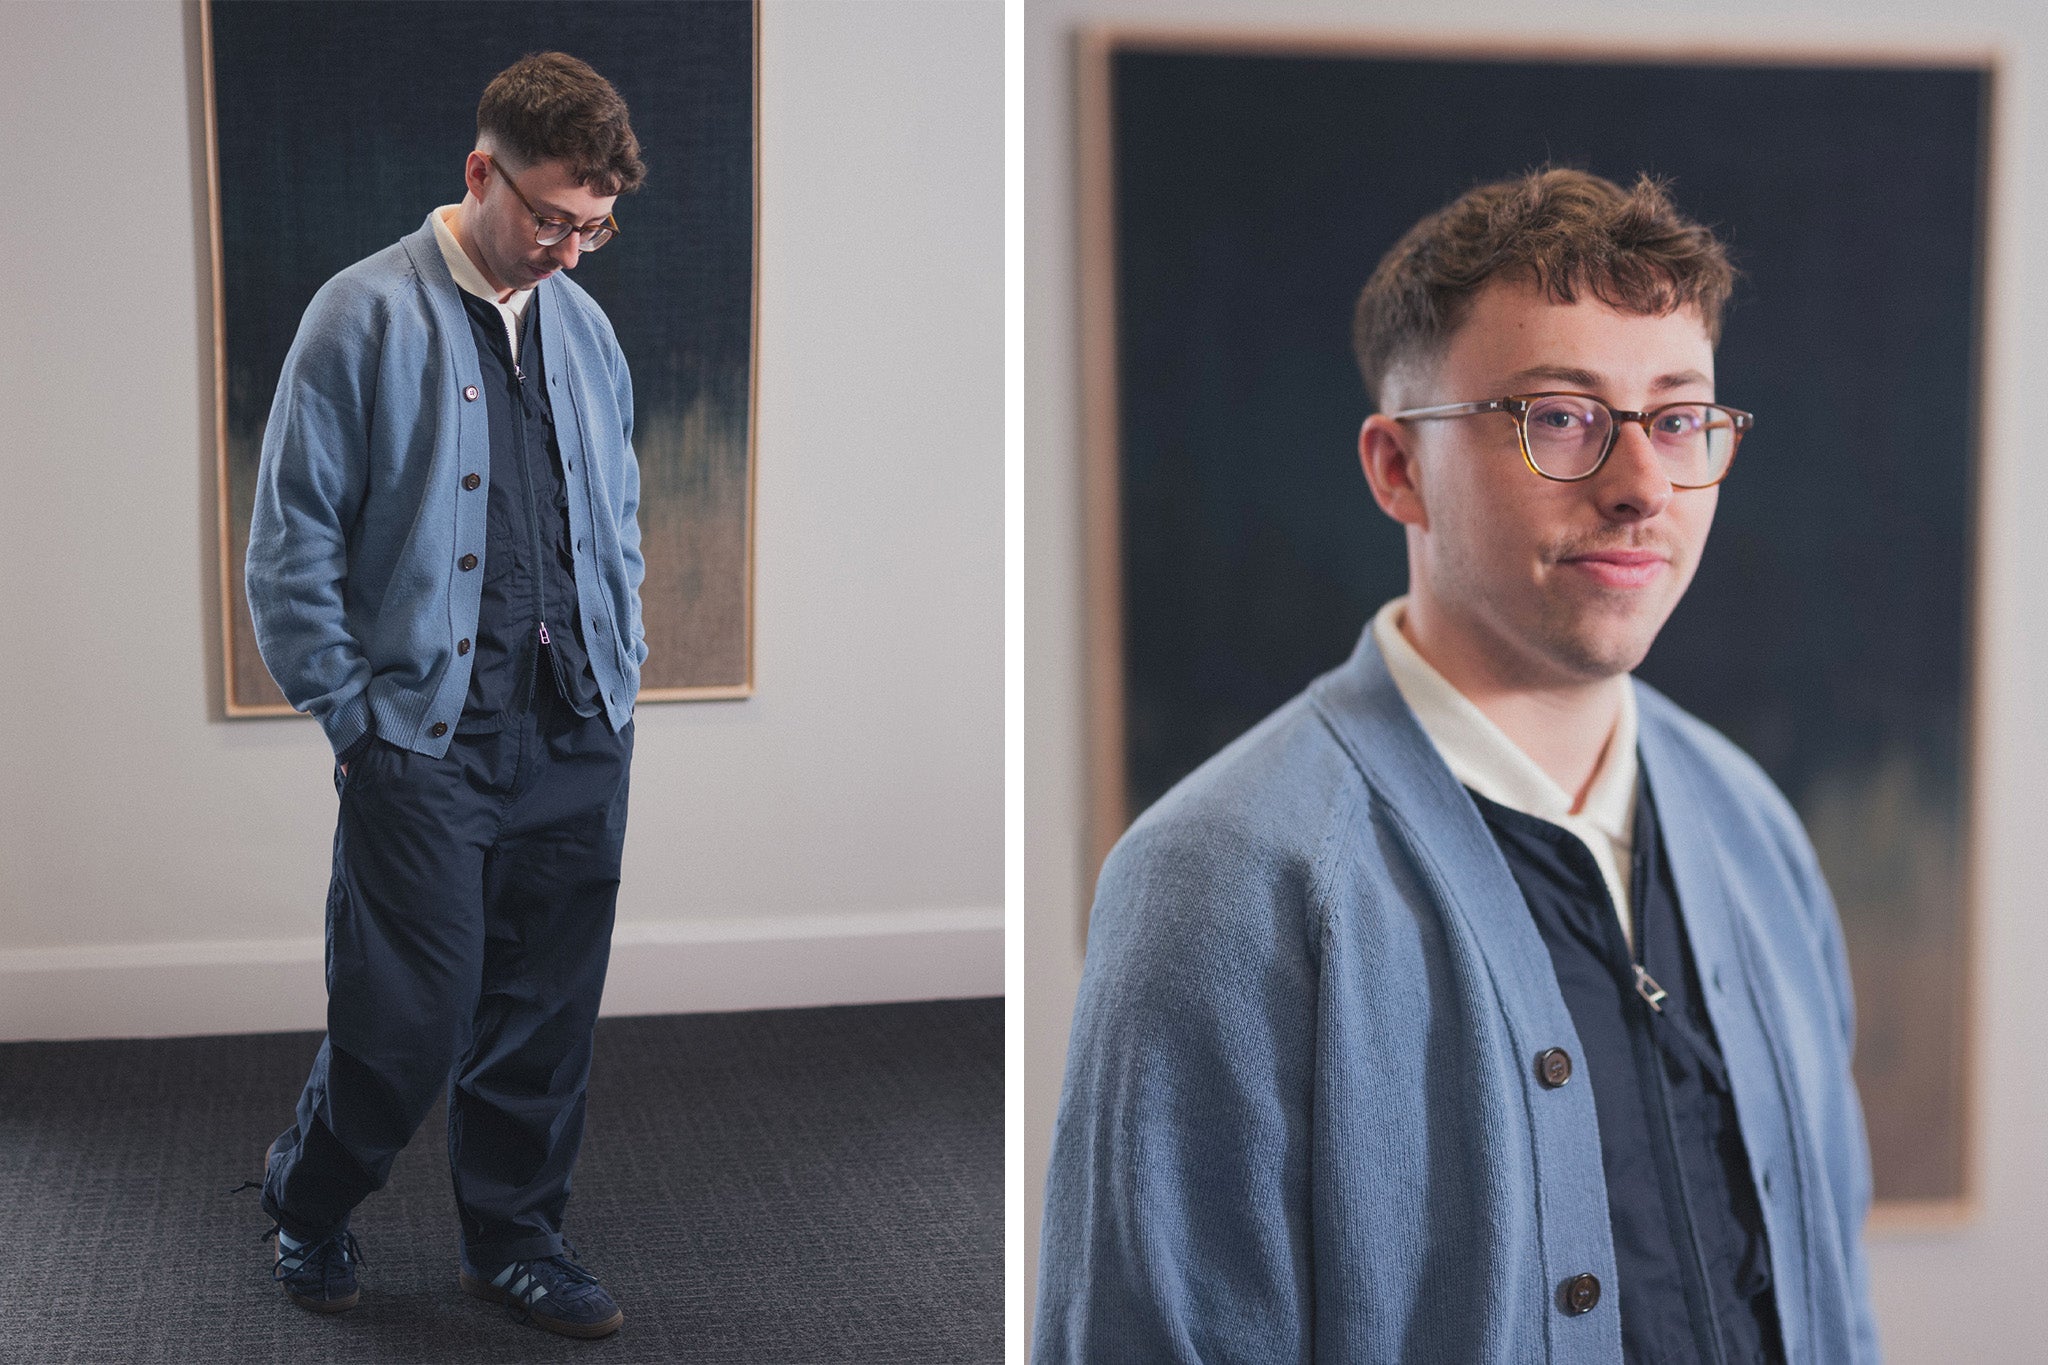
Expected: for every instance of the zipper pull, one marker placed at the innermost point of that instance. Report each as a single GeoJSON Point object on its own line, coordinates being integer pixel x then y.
{"type": "Point", "coordinates": [518, 373]}
{"type": "Point", "coordinates": [1646, 985]}
{"type": "Point", "coordinates": [544, 640]}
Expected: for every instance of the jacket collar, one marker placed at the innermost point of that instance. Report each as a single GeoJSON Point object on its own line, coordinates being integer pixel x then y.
{"type": "Point", "coordinates": [445, 295]}
{"type": "Point", "coordinates": [1364, 710]}
{"type": "Point", "coordinates": [1445, 833]}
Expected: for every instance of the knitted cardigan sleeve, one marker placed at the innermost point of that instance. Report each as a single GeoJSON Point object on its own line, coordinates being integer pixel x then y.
{"type": "Point", "coordinates": [310, 484]}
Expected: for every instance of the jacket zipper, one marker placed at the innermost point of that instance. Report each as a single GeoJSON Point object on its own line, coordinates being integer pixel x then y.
{"type": "Point", "coordinates": [1653, 995]}
{"type": "Point", "coordinates": [532, 514]}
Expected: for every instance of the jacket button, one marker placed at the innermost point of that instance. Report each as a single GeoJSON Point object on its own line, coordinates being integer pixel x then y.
{"type": "Point", "coordinates": [469, 394]}
{"type": "Point", "coordinates": [466, 563]}
{"type": "Point", "coordinates": [1579, 1294]}
{"type": "Point", "coordinates": [470, 481]}
{"type": "Point", "coordinates": [1554, 1068]}
{"type": "Point", "coordinates": [462, 646]}
{"type": "Point", "coordinates": [441, 728]}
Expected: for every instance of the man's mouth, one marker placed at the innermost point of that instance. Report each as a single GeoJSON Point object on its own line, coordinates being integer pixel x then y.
{"type": "Point", "coordinates": [1618, 568]}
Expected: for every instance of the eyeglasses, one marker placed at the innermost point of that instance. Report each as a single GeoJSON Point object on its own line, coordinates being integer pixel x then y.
{"type": "Point", "coordinates": [550, 231]}
{"type": "Point", "coordinates": [1568, 436]}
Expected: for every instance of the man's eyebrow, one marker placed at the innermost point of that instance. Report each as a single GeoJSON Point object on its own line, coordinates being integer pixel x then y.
{"type": "Point", "coordinates": [549, 210]}
{"type": "Point", "coordinates": [1589, 381]}
{"type": "Point", "coordinates": [1555, 374]}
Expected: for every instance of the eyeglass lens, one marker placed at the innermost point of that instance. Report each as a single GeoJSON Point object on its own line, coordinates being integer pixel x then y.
{"type": "Point", "coordinates": [551, 231]}
{"type": "Point", "coordinates": [1567, 435]}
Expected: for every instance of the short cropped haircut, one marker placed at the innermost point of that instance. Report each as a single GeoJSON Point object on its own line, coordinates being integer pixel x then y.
{"type": "Point", "coordinates": [549, 106]}
{"type": "Point", "coordinates": [1566, 232]}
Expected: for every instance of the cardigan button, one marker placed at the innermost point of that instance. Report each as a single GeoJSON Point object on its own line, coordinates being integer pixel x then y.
{"type": "Point", "coordinates": [1579, 1294]}
{"type": "Point", "coordinates": [470, 481]}
{"type": "Point", "coordinates": [466, 563]}
{"type": "Point", "coordinates": [1554, 1068]}
{"type": "Point", "coordinates": [469, 394]}
{"type": "Point", "coordinates": [462, 647]}
{"type": "Point", "coordinates": [441, 728]}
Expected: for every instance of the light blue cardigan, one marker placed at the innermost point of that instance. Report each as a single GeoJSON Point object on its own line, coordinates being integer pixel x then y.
{"type": "Point", "coordinates": [361, 518]}
{"type": "Point", "coordinates": [1302, 1120]}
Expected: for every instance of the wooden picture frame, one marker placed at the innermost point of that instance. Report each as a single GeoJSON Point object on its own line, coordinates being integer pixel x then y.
{"type": "Point", "coordinates": [332, 130]}
{"type": "Point", "coordinates": [1235, 192]}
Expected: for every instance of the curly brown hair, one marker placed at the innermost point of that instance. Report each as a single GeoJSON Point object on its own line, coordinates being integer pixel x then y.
{"type": "Point", "coordinates": [549, 106]}
{"type": "Point", "coordinates": [1563, 230]}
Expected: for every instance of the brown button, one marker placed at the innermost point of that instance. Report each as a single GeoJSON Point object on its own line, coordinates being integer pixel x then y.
{"type": "Point", "coordinates": [441, 728]}
{"type": "Point", "coordinates": [466, 563]}
{"type": "Point", "coordinates": [1553, 1067]}
{"type": "Point", "coordinates": [469, 394]}
{"type": "Point", "coordinates": [1579, 1294]}
{"type": "Point", "coordinates": [470, 481]}
{"type": "Point", "coordinates": [462, 646]}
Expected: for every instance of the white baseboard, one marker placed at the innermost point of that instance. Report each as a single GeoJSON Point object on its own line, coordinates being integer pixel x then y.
{"type": "Point", "coordinates": [162, 990]}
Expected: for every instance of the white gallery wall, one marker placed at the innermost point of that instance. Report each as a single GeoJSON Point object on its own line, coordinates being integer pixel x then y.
{"type": "Point", "coordinates": [835, 838]}
{"type": "Point", "coordinates": [1973, 1293]}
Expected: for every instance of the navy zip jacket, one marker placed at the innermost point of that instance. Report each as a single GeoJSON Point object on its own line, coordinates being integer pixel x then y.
{"type": "Point", "coordinates": [1310, 1113]}
{"type": "Point", "coordinates": [367, 544]}
{"type": "Point", "coordinates": [1691, 1261]}
{"type": "Point", "coordinates": [529, 560]}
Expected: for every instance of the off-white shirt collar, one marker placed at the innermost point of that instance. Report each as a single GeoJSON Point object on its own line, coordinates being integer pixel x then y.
{"type": "Point", "coordinates": [1482, 757]}
{"type": "Point", "coordinates": [511, 307]}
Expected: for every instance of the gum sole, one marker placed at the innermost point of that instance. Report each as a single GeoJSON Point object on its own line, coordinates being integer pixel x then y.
{"type": "Point", "coordinates": [325, 1305]}
{"type": "Point", "coordinates": [585, 1331]}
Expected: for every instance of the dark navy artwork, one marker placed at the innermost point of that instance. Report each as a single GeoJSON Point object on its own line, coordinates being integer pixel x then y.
{"type": "Point", "coordinates": [1829, 629]}
{"type": "Point", "coordinates": [338, 127]}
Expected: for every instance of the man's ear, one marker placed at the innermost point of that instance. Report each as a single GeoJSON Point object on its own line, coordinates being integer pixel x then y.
{"type": "Point", "coordinates": [1386, 451]}
{"type": "Point", "coordinates": [476, 175]}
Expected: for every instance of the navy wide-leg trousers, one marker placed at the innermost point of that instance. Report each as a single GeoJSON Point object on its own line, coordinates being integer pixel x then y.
{"type": "Point", "coordinates": [469, 924]}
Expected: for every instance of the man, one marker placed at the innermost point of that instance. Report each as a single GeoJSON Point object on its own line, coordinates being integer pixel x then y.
{"type": "Point", "coordinates": [1479, 1005]}
{"type": "Point", "coordinates": [444, 568]}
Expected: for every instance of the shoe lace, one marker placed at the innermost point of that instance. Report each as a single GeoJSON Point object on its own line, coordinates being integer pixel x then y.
{"type": "Point", "coordinates": [328, 1258]}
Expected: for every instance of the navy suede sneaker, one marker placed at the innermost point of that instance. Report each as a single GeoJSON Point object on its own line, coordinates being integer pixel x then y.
{"type": "Point", "coordinates": [319, 1275]}
{"type": "Point", "coordinates": [554, 1293]}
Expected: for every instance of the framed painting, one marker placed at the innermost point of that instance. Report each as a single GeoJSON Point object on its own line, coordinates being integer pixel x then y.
{"type": "Point", "coordinates": [1236, 195]}
{"type": "Point", "coordinates": [332, 131]}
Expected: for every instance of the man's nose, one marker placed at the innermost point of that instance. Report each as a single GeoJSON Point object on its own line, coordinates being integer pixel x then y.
{"type": "Point", "coordinates": [1633, 485]}
{"type": "Point", "coordinates": [566, 251]}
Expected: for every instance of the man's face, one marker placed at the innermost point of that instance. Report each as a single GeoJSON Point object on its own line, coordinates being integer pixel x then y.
{"type": "Point", "coordinates": [502, 229]}
{"type": "Point", "coordinates": [1538, 583]}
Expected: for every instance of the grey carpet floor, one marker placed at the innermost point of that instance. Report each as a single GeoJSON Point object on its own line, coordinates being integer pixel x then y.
{"type": "Point", "coordinates": [785, 1187]}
